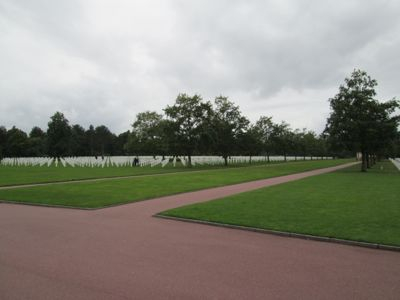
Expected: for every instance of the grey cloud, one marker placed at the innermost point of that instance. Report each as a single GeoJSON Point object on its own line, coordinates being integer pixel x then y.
{"type": "Point", "coordinates": [102, 62]}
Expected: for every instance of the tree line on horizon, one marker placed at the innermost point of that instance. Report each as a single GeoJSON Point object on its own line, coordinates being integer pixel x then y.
{"type": "Point", "coordinates": [191, 126]}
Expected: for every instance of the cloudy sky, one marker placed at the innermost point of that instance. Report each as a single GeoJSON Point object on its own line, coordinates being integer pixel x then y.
{"type": "Point", "coordinates": [102, 62]}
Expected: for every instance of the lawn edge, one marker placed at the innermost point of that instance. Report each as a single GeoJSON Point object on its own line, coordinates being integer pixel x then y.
{"type": "Point", "coordinates": [49, 205]}
{"type": "Point", "coordinates": [285, 233]}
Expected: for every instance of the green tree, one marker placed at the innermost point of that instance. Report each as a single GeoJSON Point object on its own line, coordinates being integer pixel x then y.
{"type": "Point", "coordinates": [187, 118]}
{"type": "Point", "coordinates": [322, 146]}
{"type": "Point", "coordinates": [3, 141]}
{"type": "Point", "coordinates": [297, 143]}
{"type": "Point", "coordinates": [386, 132]}
{"type": "Point", "coordinates": [228, 124]}
{"type": "Point", "coordinates": [90, 137]}
{"type": "Point", "coordinates": [250, 142]}
{"type": "Point", "coordinates": [58, 135]}
{"type": "Point", "coordinates": [357, 121]}
{"type": "Point", "coordinates": [171, 141]}
{"type": "Point", "coordinates": [16, 142]}
{"type": "Point", "coordinates": [264, 128]}
{"type": "Point", "coordinates": [36, 144]}
{"type": "Point", "coordinates": [147, 137]}
{"type": "Point", "coordinates": [120, 143]}
{"type": "Point", "coordinates": [103, 141]}
{"type": "Point", "coordinates": [79, 141]}
{"type": "Point", "coordinates": [282, 139]}
{"type": "Point", "coordinates": [309, 143]}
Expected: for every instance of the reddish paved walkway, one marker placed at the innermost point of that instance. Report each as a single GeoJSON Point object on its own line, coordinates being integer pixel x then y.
{"type": "Point", "coordinates": [124, 253]}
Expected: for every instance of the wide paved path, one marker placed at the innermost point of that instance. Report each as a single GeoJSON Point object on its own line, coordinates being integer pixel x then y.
{"type": "Point", "coordinates": [124, 253]}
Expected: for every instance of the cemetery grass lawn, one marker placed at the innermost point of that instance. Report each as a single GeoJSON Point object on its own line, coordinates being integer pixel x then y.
{"type": "Point", "coordinates": [346, 204]}
{"type": "Point", "coordinates": [118, 191]}
{"type": "Point", "coordinates": [20, 175]}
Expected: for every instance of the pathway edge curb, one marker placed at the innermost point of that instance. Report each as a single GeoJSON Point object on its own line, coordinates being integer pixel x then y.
{"type": "Point", "coordinates": [48, 205]}
{"type": "Point", "coordinates": [286, 234]}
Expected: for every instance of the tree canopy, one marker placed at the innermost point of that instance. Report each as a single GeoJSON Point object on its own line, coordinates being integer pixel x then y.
{"type": "Point", "coordinates": [358, 121]}
{"type": "Point", "coordinates": [188, 117]}
{"type": "Point", "coordinates": [58, 135]}
{"type": "Point", "coordinates": [228, 125]}
{"type": "Point", "coordinates": [191, 126]}
{"type": "Point", "coordinates": [146, 137]}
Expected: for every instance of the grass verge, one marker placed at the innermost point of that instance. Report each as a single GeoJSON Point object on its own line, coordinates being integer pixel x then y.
{"type": "Point", "coordinates": [346, 204]}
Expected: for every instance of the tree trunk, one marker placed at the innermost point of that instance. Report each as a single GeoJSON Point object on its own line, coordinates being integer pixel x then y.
{"type": "Point", "coordinates": [225, 160]}
{"type": "Point", "coordinates": [363, 161]}
{"type": "Point", "coordinates": [285, 157]}
{"type": "Point", "coordinates": [268, 158]}
{"type": "Point", "coordinates": [368, 160]}
{"type": "Point", "coordinates": [250, 159]}
{"type": "Point", "coordinates": [189, 161]}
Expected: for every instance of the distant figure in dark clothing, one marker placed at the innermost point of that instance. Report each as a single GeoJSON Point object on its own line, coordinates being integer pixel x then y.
{"type": "Point", "coordinates": [136, 161]}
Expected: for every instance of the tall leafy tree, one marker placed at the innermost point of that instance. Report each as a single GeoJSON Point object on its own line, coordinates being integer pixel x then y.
{"type": "Point", "coordinates": [36, 144]}
{"type": "Point", "coordinates": [386, 131]}
{"type": "Point", "coordinates": [171, 141]}
{"type": "Point", "coordinates": [228, 124]}
{"type": "Point", "coordinates": [322, 147]}
{"type": "Point", "coordinates": [17, 141]}
{"type": "Point", "coordinates": [120, 143]}
{"type": "Point", "coordinates": [306, 143]}
{"type": "Point", "coordinates": [250, 143]}
{"type": "Point", "coordinates": [147, 134]}
{"type": "Point", "coordinates": [297, 143]}
{"type": "Point", "coordinates": [309, 143]}
{"type": "Point", "coordinates": [79, 143]}
{"type": "Point", "coordinates": [358, 121]}
{"type": "Point", "coordinates": [187, 118]}
{"type": "Point", "coordinates": [396, 146]}
{"type": "Point", "coordinates": [103, 141]}
{"type": "Point", "coordinates": [3, 141]}
{"type": "Point", "coordinates": [282, 139]}
{"type": "Point", "coordinates": [58, 135]}
{"type": "Point", "coordinates": [264, 128]}
{"type": "Point", "coordinates": [90, 137]}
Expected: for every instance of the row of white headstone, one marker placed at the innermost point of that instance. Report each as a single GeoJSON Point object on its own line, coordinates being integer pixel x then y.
{"type": "Point", "coordinates": [125, 161]}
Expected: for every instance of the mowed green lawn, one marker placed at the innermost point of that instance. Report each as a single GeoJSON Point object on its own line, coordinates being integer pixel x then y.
{"type": "Point", "coordinates": [18, 175]}
{"type": "Point", "coordinates": [117, 191]}
{"type": "Point", "coordinates": [346, 204]}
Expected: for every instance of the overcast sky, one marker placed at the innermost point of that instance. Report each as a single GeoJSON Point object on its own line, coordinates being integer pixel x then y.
{"type": "Point", "coordinates": [102, 62]}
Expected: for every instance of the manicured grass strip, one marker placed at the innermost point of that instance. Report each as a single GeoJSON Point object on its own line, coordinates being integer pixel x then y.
{"type": "Point", "coordinates": [26, 174]}
{"type": "Point", "coordinates": [16, 175]}
{"type": "Point", "coordinates": [346, 204]}
{"type": "Point", "coordinates": [117, 191]}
